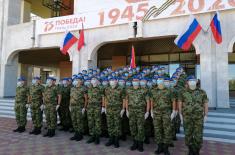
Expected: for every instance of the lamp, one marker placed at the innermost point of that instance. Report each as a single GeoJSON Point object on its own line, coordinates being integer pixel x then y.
{"type": "Point", "coordinates": [56, 6]}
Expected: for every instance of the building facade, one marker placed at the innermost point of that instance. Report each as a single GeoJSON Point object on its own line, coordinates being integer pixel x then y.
{"type": "Point", "coordinates": [31, 47]}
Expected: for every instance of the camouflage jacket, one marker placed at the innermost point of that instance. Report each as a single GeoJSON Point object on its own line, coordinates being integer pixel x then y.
{"type": "Point", "coordinates": [65, 92]}
{"type": "Point", "coordinates": [114, 96]}
{"type": "Point", "coordinates": [35, 92]}
{"type": "Point", "coordinates": [77, 96]}
{"type": "Point", "coordinates": [51, 95]}
{"type": "Point", "coordinates": [22, 94]}
{"type": "Point", "coordinates": [137, 98]}
{"type": "Point", "coordinates": [95, 95]}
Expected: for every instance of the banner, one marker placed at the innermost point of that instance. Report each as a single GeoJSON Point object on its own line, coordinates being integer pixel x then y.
{"type": "Point", "coordinates": [103, 13]}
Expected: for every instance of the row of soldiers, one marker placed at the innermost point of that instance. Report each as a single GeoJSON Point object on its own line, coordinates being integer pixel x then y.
{"type": "Point", "coordinates": [145, 99]}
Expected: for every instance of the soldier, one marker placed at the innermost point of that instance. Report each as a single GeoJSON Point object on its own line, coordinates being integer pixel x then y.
{"type": "Point", "coordinates": [163, 111]}
{"type": "Point", "coordinates": [136, 101]}
{"type": "Point", "coordinates": [21, 104]}
{"type": "Point", "coordinates": [114, 104]}
{"type": "Point", "coordinates": [52, 100]}
{"type": "Point", "coordinates": [64, 107]}
{"type": "Point", "coordinates": [95, 102]}
{"type": "Point", "coordinates": [193, 108]}
{"type": "Point", "coordinates": [36, 104]}
{"type": "Point", "coordinates": [78, 103]}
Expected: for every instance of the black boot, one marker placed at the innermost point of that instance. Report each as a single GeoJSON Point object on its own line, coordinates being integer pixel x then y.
{"type": "Point", "coordinates": [134, 146]}
{"type": "Point", "coordinates": [52, 134]}
{"type": "Point", "coordinates": [190, 150]}
{"type": "Point", "coordinates": [91, 140]}
{"type": "Point", "coordinates": [116, 142]}
{"type": "Point", "coordinates": [33, 131]}
{"type": "Point", "coordinates": [166, 151]}
{"type": "Point", "coordinates": [17, 129]}
{"type": "Point", "coordinates": [146, 141]}
{"type": "Point", "coordinates": [38, 131]}
{"type": "Point", "coordinates": [140, 146]}
{"type": "Point", "coordinates": [195, 151]}
{"type": "Point", "coordinates": [97, 139]}
{"type": "Point", "coordinates": [22, 129]}
{"type": "Point", "coordinates": [172, 145]}
{"type": "Point", "coordinates": [75, 136]}
{"type": "Point", "coordinates": [159, 149]}
{"type": "Point", "coordinates": [48, 133]}
{"type": "Point", "coordinates": [80, 137]}
{"type": "Point", "coordinates": [123, 137]}
{"type": "Point", "coordinates": [110, 142]}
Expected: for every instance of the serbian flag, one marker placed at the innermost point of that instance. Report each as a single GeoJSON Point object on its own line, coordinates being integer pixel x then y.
{"type": "Point", "coordinates": [132, 65]}
{"type": "Point", "coordinates": [69, 41]}
{"type": "Point", "coordinates": [81, 41]}
{"type": "Point", "coordinates": [185, 40]}
{"type": "Point", "coordinates": [216, 28]}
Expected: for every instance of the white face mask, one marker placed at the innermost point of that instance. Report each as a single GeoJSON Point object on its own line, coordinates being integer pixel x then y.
{"type": "Point", "coordinates": [75, 83]}
{"type": "Point", "coordinates": [49, 82]}
{"type": "Point", "coordinates": [167, 84]}
{"type": "Point", "coordinates": [19, 84]}
{"type": "Point", "coordinates": [192, 85]}
{"type": "Point", "coordinates": [34, 81]}
{"type": "Point", "coordinates": [94, 83]}
{"type": "Point", "coordinates": [113, 84]}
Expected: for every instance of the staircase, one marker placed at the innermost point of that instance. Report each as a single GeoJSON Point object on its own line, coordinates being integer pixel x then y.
{"type": "Point", "coordinates": [220, 125]}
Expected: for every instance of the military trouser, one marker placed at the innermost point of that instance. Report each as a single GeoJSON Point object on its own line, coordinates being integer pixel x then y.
{"type": "Point", "coordinates": [162, 127]}
{"type": "Point", "coordinates": [65, 114]}
{"type": "Point", "coordinates": [77, 118]}
{"type": "Point", "coordinates": [125, 128]}
{"type": "Point", "coordinates": [94, 120]}
{"type": "Point", "coordinates": [21, 114]}
{"type": "Point", "coordinates": [193, 129]}
{"type": "Point", "coordinates": [104, 126]}
{"type": "Point", "coordinates": [136, 121]}
{"type": "Point", "coordinates": [148, 127]}
{"type": "Point", "coordinates": [36, 115]}
{"type": "Point", "coordinates": [176, 125]}
{"type": "Point", "coordinates": [51, 116]}
{"type": "Point", "coordinates": [114, 121]}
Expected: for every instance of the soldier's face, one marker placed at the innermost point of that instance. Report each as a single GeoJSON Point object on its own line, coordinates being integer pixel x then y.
{"type": "Point", "coordinates": [192, 84]}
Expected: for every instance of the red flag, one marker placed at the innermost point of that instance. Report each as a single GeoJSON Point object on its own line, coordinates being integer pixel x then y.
{"type": "Point", "coordinates": [81, 39]}
{"type": "Point", "coordinates": [132, 65]}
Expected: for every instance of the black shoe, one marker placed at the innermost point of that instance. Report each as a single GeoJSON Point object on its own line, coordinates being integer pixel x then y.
{"type": "Point", "coordinates": [166, 151]}
{"type": "Point", "coordinates": [16, 130]}
{"type": "Point", "coordinates": [97, 139]}
{"type": "Point", "coordinates": [140, 146]}
{"type": "Point", "coordinates": [134, 146]}
{"type": "Point", "coordinates": [159, 149]}
{"type": "Point", "coordinates": [75, 136]}
{"type": "Point", "coordinates": [22, 129]}
{"type": "Point", "coordinates": [116, 142]}
{"type": "Point", "coordinates": [33, 131]}
{"type": "Point", "coordinates": [146, 141]}
{"type": "Point", "coordinates": [38, 131]}
{"type": "Point", "coordinates": [91, 140]}
{"type": "Point", "coordinates": [172, 145]}
{"type": "Point", "coordinates": [110, 142]}
{"type": "Point", "coordinates": [79, 137]}
{"type": "Point", "coordinates": [52, 134]}
{"type": "Point", "coordinates": [48, 133]}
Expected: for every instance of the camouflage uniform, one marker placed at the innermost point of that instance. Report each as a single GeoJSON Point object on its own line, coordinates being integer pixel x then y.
{"type": "Point", "coordinates": [137, 107]}
{"type": "Point", "coordinates": [35, 92]}
{"type": "Point", "coordinates": [77, 103]}
{"type": "Point", "coordinates": [125, 128]}
{"type": "Point", "coordinates": [193, 113]}
{"type": "Point", "coordinates": [95, 95]}
{"type": "Point", "coordinates": [104, 126]}
{"type": "Point", "coordinates": [21, 99]}
{"type": "Point", "coordinates": [114, 98]}
{"type": "Point", "coordinates": [50, 101]}
{"type": "Point", "coordinates": [64, 107]}
{"type": "Point", "coordinates": [162, 108]}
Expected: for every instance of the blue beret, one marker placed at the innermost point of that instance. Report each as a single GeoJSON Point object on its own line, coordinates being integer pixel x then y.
{"type": "Point", "coordinates": [191, 77]}
{"type": "Point", "coordinates": [167, 79]}
{"type": "Point", "coordinates": [66, 79]}
{"type": "Point", "coordinates": [37, 78]}
{"type": "Point", "coordinates": [50, 78]}
{"type": "Point", "coordinates": [21, 78]}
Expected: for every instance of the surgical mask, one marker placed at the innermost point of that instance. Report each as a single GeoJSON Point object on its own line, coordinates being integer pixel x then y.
{"type": "Point", "coordinates": [192, 85]}
{"type": "Point", "coordinates": [113, 83]}
{"type": "Point", "coordinates": [19, 84]}
{"type": "Point", "coordinates": [149, 85]}
{"type": "Point", "coordinates": [160, 81]}
{"type": "Point", "coordinates": [49, 82]}
{"type": "Point", "coordinates": [135, 84]}
{"type": "Point", "coordinates": [94, 83]}
{"type": "Point", "coordinates": [142, 83]}
{"type": "Point", "coordinates": [167, 84]}
{"type": "Point", "coordinates": [75, 82]}
{"type": "Point", "coordinates": [34, 81]}
{"type": "Point", "coordinates": [154, 81]}
{"type": "Point", "coordinates": [121, 83]}
{"type": "Point", "coordinates": [128, 84]}
{"type": "Point", "coordinates": [87, 83]}
{"type": "Point", "coordinates": [65, 83]}
{"type": "Point", "coordinates": [104, 83]}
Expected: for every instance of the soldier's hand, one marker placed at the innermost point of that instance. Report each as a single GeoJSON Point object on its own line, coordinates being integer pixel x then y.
{"type": "Point", "coordinates": [70, 108]}
{"type": "Point", "coordinates": [57, 107]}
{"type": "Point", "coordinates": [27, 106]}
{"type": "Point", "coordinates": [146, 115]}
{"type": "Point", "coordinates": [42, 107]}
{"type": "Point", "coordinates": [127, 113]}
{"type": "Point", "coordinates": [83, 110]}
{"type": "Point", "coordinates": [205, 118]}
{"type": "Point", "coordinates": [103, 110]}
{"type": "Point", "coordinates": [122, 112]}
{"type": "Point", "coordinates": [181, 119]}
{"type": "Point", "coordinates": [151, 113]}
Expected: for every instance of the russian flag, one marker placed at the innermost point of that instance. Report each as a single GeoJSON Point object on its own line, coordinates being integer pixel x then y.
{"type": "Point", "coordinates": [69, 41]}
{"type": "Point", "coordinates": [216, 28]}
{"type": "Point", "coordinates": [132, 65]}
{"type": "Point", "coordinates": [185, 40]}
